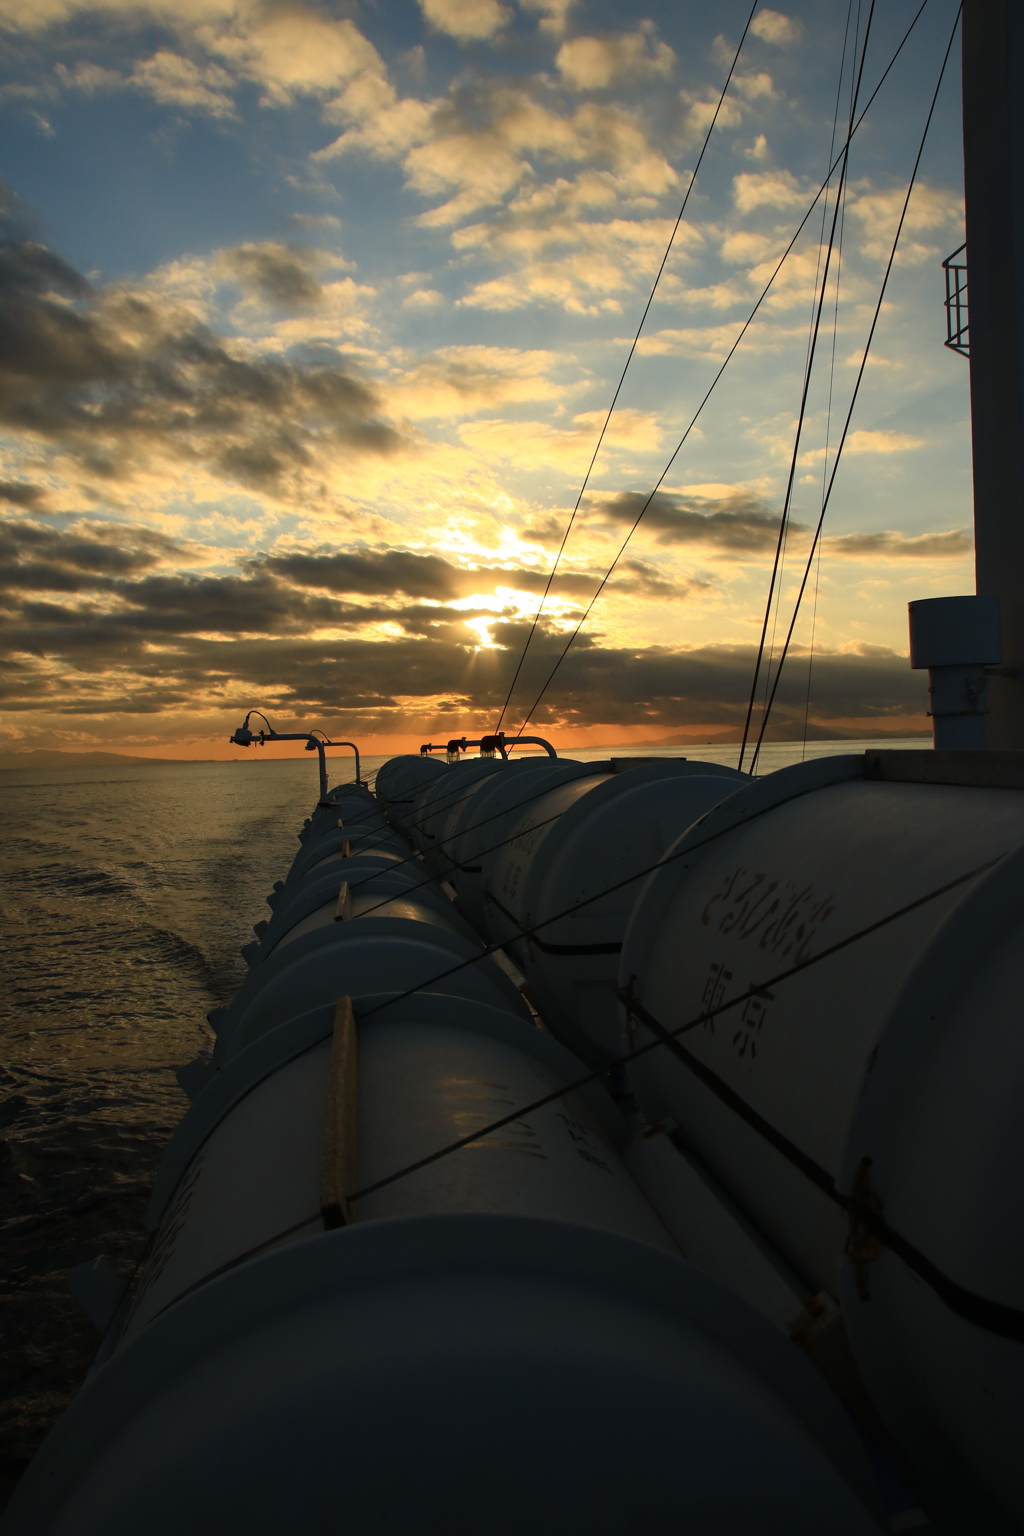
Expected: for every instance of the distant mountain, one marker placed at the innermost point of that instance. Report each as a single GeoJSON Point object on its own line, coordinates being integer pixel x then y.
{"type": "Point", "coordinates": [47, 757]}
{"type": "Point", "coordinates": [734, 736]}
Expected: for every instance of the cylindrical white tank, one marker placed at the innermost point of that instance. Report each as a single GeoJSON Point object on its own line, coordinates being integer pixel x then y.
{"type": "Point", "coordinates": [449, 1373]}
{"type": "Point", "coordinates": [361, 814]}
{"type": "Point", "coordinates": [366, 955]}
{"type": "Point", "coordinates": [361, 861]}
{"type": "Point", "coordinates": [420, 905]}
{"type": "Point", "coordinates": [400, 780]}
{"type": "Point", "coordinates": [366, 887]}
{"type": "Point", "coordinates": [357, 819]}
{"type": "Point", "coordinates": [581, 838]}
{"type": "Point", "coordinates": [245, 1164]}
{"type": "Point", "coordinates": [503, 1340]}
{"type": "Point", "coordinates": [336, 840]}
{"type": "Point", "coordinates": [352, 797]}
{"type": "Point", "coordinates": [434, 804]}
{"type": "Point", "coordinates": [903, 1047]}
{"type": "Point", "coordinates": [482, 825]}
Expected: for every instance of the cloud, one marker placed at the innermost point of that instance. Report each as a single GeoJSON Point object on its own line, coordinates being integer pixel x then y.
{"type": "Point", "coordinates": [866, 441]}
{"type": "Point", "coordinates": [385, 572]}
{"type": "Point", "coordinates": [666, 687]}
{"type": "Point", "coordinates": [701, 114]}
{"type": "Point", "coordinates": [88, 78]}
{"type": "Point", "coordinates": [94, 622]}
{"type": "Point", "coordinates": [313, 221]}
{"type": "Point", "coordinates": [554, 14]}
{"type": "Point", "coordinates": [753, 87]}
{"type": "Point", "coordinates": [710, 343]}
{"type": "Point", "coordinates": [954, 544]}
{"type": "Point", "coordinates": [605, 259]}
{"type": "Point", "coordinates": [489, 141]}
{"type": "Point", "coordinates": [76, 556]}
{"type": "Point", "coordinates": [737, 524]}
{"type": "Point", "coordinates": [774, 27]}
{"type": "Point", "coordinates": [930, 208]}
{"type": "Point", "coordinates": [20, 493]}
{"type": "Point", "coordinates": [178, 82]}
{"type": "Point", "coordinates": [291, 50]}
{"type": "Point", "coordinates": [285, 276]}
{"type": "Point", "coordinates": [468, 21]}
{"type": "Point", "coordinates": [423, 298]}
{"type": "Point", "coordinates": [766, 189]}
{"type": "Point", "coordinates": [595, 63]}
{"type": "Point", "coordinates": [119, 380]}
{"type": "Point", "coordinates": [460, 381]}
{"type": "Point", "coordinates": [538, 443]}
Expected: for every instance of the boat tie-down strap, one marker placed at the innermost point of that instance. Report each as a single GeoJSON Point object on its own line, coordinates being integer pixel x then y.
{"type": "Point", "coordinates": [868, 1227]}
{"type": "Point", "coordinates": [546, 947]}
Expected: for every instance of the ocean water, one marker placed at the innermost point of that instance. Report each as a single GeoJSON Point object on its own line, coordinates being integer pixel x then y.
{"type": "Point", "coordinates": [125, 895]}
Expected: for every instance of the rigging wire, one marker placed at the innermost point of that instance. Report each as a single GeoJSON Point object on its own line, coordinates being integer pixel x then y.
{"type": "Point", "coordinates": [856, 389]}
{"type": "Point", "coordinates": [824, 466]}
{"type": "Point", "coordinates": [438, 808]}
{"type": "Point", "coordinates": [811, 340]}
{"type": "Point", "coordinates": [824, 479]}
{"type": "Point", "coordinates": [774, 585]}
{"type": "Point", "coordinates": [625, 369]}
{"type": "Point", "coordinates": [810, 656]}
{"type": "Point", "coordinates": [755, 989]}
{"type": "Point", "coordinates": [994, 1317]}
{"type": "Point", "coordinates": [728, 358]}
{"type": "Point", "coordinates": [461, 794]}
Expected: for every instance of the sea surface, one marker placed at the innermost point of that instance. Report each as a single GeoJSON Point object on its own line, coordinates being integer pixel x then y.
{"type": "Point", "coordinates": [125, 895]}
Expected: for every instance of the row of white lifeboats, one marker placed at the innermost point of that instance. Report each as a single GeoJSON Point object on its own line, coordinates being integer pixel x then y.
{"type": "Point", "coordinates": [592, 1146]}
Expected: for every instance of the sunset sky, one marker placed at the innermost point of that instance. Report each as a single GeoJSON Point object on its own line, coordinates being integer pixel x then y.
{"type": "Point", "coordinates": [310, 316]}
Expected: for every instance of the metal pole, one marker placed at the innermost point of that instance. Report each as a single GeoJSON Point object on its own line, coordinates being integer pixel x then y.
{"type": "Point", "coordinates": [314, 741]}
{"type": "Point", "coordinates": [993, 101]}
{"type": "Point", "coordinates": [355, 749]}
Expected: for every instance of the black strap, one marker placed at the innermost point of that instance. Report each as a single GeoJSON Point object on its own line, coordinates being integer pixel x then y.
{"type": "Point", "coordinates": [613, 947]}
{"type": "Point", "coordinates": [992, 1316]}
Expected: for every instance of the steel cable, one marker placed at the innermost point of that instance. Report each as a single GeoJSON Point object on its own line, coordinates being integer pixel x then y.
{"type": "Point", "coordinates": [808, 371]}
{"type": "Point", "coordinates": [856, 391]}
{"type": "Point", "coordinates": [728, 358]}
{"type": "Point", "coordinates": [994, 1317]}
{"type": "Point", "coordinates": [625, 369]}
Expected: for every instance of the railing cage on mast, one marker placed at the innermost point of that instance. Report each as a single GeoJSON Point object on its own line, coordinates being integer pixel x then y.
{"type": "Point", "coordinates": [957, 319]}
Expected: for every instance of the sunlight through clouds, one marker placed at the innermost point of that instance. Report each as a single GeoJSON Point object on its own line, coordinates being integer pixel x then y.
{"type": "Point", "coordinates": [310, 321]}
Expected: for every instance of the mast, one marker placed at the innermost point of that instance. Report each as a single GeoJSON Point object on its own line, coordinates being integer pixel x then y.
{"type": "Point", "coordinates": [993, 128]}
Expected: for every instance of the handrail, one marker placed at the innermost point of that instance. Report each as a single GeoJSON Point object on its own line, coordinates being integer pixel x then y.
{"type": "Point", "coordinates": [244, 737]}
{"type": "Point", "coordinates": [488, 746]}
{"type": "Point", "coordinates": [355, 749]}
{"type": "Point", "coordinates": [958, 338]}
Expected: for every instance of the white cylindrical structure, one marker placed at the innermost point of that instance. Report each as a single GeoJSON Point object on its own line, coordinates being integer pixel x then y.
{"type": "Point", "coordinates": [245, 1164]}
{"type": "Point", "coordinates": [366, 955]}
{"type": "Point", "coordinates": [570, 844]}
{"type": "Point", "coordinates": [435, 803]}
{"type": "Point", "coordinates": [361, 813]}
{"type": "Point", "coordinates": [503, 1340]}
{"type": "Point", "coordinates": [480, 828]}
{"type": "Point", "coordinates": [453, 1373]}
{"type": "Point", "coordinates": [335, 840]}
{"type": "Point", "coordinates": [400, 780]}
{"type": "Point", "coordinates": [903, 1047]}
{"type": "Point", "coordinates": [368, 882]}
{"type": "Point", "coordinates": [426, 904]}
{"type": "Point", "coordinates": [956, 638]}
